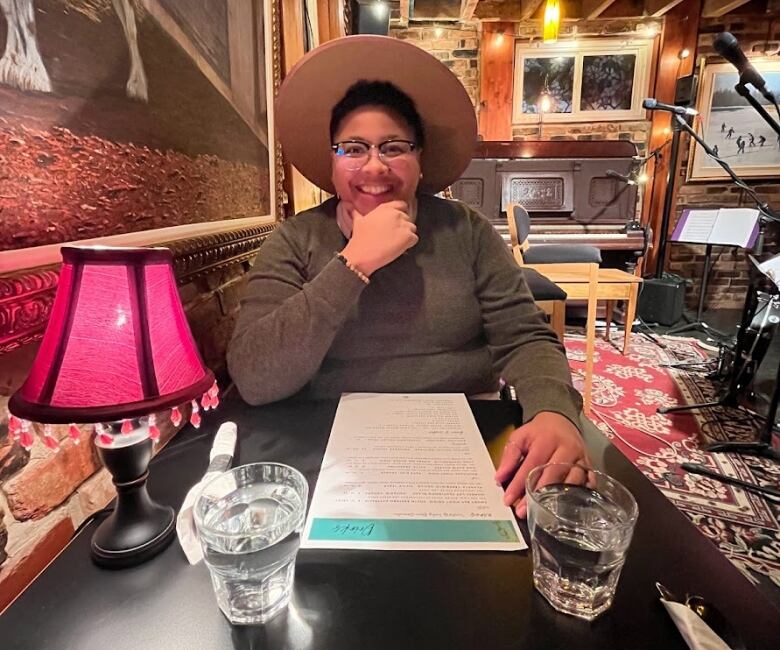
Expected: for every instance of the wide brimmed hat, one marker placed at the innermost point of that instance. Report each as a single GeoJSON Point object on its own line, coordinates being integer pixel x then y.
{"type": "Point", "coordinates": [321, 79]}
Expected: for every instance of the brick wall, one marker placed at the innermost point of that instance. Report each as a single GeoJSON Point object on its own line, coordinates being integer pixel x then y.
{"type": "Point", "coordinates": [455, 46]}
{"type": "Point", "coordinates": [729, 278]}
{"type": "Point", "coordinates": [45, 495]}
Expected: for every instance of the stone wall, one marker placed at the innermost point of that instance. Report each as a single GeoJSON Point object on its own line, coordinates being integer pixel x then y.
{"type": "Point", "coordinates": [456, 46]}
{"type": "Point", "coordinates": [46, 495]}
{"type": "Point", "coordinates": [729, 278]}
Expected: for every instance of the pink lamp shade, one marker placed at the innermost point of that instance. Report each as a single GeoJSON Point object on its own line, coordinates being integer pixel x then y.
{"type": "Point", "coordinates": [117, 344]}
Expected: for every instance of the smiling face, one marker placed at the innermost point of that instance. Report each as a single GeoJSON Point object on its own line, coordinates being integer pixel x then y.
{"type": "Point", "coordinates": [376, 182]}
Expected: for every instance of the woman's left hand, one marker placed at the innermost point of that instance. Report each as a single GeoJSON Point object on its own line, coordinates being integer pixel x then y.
{"type": "Point", "coordinates": [547, 438]}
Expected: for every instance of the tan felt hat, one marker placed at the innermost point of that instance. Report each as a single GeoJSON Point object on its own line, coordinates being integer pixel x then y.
{"type": "Point", "coordinates": [321, 79]}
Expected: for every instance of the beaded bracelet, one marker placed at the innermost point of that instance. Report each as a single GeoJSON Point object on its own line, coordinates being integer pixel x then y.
{"type": "Point", "coordinates": [353, 268]}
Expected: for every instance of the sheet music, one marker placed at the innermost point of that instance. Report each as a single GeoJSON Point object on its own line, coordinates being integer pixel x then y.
{"type": "Point", "coordinates": [724, 227]}
{"type": "Point", "coordinates": [697, 226]}
{"type": "Point", "coordinates": [408, 472]}
{"type": "Point", "coordinates": [734, 227]}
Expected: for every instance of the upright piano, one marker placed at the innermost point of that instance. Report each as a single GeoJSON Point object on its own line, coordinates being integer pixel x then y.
{"type": "Point", "coordinates": [575, 192]}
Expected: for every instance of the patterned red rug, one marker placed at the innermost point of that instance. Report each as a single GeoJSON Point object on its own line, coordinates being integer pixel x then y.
{"type": "Point", "coordinates": [627, 390]}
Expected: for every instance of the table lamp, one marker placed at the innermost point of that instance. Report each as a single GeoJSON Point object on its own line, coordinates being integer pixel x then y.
{"type": "Point", "coordinates": [117, 349]}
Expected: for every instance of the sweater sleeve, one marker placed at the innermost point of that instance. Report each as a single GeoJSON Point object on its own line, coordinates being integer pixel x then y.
{"type": "Point", "coordinates": [287, 320]}
{"type": "Point", "coordinates": [526, 351]}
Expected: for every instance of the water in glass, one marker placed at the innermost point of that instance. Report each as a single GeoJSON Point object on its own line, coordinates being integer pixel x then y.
{"type": "Point", "coordinates": [579, 539]}
{"type": "Point", "coordinates": [250, 537]}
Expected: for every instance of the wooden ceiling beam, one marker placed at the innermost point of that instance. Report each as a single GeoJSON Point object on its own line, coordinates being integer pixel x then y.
{"type": "Point", "coordinates": [657, 8]}
{"type": "Point", "coordinates": [529, 8]}
{"type": "Point", "coordinates": [715, 8]}
{"type": "Point", "coordinates": [594, 8]}
{"type": "Point", "coordinates": [467, 8]}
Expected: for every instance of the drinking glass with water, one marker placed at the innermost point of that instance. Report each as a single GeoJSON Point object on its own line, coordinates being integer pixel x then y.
{"type": "Point", "coordinates": [580, 522]}
{"type": "Point", "coordinates": [249, 522]}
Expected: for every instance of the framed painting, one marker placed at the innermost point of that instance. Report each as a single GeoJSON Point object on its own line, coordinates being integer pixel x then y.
{"type": "Point", "coordinates": [727, 122]}
{"type": "Point", "coordinates": [134, 121]}
{"type": "Point", "coordinates": [585, 80]}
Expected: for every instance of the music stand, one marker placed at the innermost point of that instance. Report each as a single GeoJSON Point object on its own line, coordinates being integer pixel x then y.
{"type": "Point", "coordinates": [735, 227]}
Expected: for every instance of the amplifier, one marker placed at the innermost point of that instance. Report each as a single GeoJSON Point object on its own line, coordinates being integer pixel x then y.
{"type": "Point", "coordinates": [662, 300]}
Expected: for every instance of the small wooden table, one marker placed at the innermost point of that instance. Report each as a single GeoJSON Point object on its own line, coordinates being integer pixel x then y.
{"type": "Point", "coordinates": [611, 285]}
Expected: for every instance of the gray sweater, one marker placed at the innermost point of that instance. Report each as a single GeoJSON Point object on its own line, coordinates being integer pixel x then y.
{"type": "Point", "coordinates": [452, 314]}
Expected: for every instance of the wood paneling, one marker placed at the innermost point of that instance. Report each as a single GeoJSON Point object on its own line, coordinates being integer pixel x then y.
{"type": "Point", "coordinates": [680, 32]}
{"type": "Point", "coordinates": [715, 8]}
{"type": "Point", "coordinates": [658, 8]}
{"type": "Point", "coordinates": [495, 93]}
{"type": "Point", "coordinates": [594, 8]}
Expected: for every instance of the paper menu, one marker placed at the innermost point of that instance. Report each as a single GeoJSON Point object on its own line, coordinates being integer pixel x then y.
{"type": "Point", "coordinates": [408, 472]}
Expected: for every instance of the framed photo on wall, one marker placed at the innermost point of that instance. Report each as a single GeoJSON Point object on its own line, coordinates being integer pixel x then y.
{"type": "Point", "coordinates": [727, 122]}
{"type": "Point", "coordinates": [586, 80]}
{"type": "Point", "coordinates": [133, 118]}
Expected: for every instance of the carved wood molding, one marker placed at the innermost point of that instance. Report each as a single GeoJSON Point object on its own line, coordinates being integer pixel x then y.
{"type": "Point", "coordinates": [25, 303]}
{"type": "Point", "coordinates": [26, 297]}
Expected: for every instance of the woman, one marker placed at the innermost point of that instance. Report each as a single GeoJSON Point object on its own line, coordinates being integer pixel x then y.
{"type": "Point", "coordinates": [386, 288]}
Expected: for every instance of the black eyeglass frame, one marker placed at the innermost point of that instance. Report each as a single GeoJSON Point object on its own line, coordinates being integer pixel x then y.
{"type": "Point", "coordinates": [337, 145]}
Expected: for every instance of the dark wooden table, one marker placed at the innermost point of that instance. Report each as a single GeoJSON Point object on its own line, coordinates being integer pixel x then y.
{"type": "Point", "coordinates": [372, 599]}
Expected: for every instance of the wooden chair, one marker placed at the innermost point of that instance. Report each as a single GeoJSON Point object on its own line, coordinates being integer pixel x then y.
{"type": "Point", "coordinates": [554, 308]}
{"type": "Point", "coordinates": [576, 272]}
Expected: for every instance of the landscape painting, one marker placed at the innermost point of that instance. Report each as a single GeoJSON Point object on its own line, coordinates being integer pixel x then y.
{"type": "Point", "coordinates": [119, 116]}
{"type": "Point", "coordinates": [731, 126]}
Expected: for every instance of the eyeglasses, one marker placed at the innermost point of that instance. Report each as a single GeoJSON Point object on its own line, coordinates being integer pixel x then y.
{"type": "Point", "coordinates": [354, 154]}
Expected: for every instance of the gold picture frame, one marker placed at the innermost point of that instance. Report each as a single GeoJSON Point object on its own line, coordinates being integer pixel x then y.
{"type": "Point", "coordinates": [727, 121]}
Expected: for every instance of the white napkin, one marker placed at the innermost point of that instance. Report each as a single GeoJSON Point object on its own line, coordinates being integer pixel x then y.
{"type": "Point", "coordinates": [220, 458]}
{"type": "Point", "coordinates": [697, 634]}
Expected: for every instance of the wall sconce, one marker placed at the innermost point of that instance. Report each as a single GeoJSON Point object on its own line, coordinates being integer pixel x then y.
{"type": "Point", "coordinates": [438, 32]}
{"type": "Point", "coordinates": [684, 54]}
{"type": "Point", "coordinates": [642, 178]}
{"type": "Point", "coordinates": [498, 41]}
{"type": "Point", "coordinates": [552, 21]}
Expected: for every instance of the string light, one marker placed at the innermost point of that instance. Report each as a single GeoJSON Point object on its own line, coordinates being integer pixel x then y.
{"type": "Point", "coordinates": [544, 103]}
{"type": "Point", "coordinates": [438, 31]}
{"type": "Point", "coordinates": [552, 21]}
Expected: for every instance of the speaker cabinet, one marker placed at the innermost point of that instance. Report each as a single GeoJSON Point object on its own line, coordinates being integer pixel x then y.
{"type": "Point", "coordinates": [662, 300]}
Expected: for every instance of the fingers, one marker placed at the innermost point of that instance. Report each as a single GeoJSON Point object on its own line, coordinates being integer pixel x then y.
{"type": "Point", "coordinates": [510, 459]}
{"type": "Point", "coordinates": [536, 456]}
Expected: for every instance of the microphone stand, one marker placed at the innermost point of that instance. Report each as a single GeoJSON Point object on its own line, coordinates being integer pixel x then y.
{"type": "Point", "coordinates": [766, 214]}
{"type": "Point", "coordinates": [743, 91]}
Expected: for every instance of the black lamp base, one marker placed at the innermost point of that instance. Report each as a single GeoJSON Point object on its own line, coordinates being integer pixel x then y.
{"type": "Point", "coordinates": [139, 528]}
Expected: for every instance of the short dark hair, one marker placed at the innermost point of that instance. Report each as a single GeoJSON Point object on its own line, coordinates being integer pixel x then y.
{"type": "Point", "coordinates": [378, 93]}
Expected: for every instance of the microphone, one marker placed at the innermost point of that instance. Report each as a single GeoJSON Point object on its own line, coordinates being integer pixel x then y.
{"type": "Point", "coordinates": [621, 177]}
{"type": "Point", "coordinates": [728, 47]}
{"type": "Point", "coordinates": [654, 105]}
